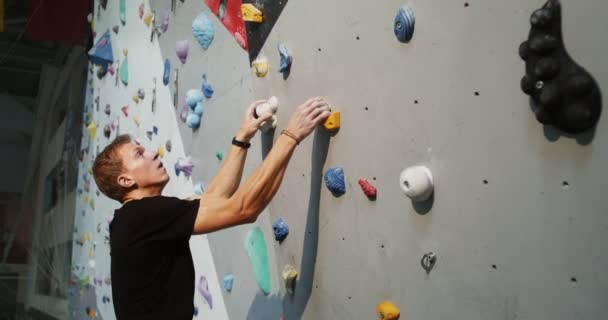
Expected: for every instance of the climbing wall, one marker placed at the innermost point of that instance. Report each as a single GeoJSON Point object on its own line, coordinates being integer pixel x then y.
{"type": "Point", "coordinates": [133, 99]}
{"type": "Point", "coordinates": [516, 224]}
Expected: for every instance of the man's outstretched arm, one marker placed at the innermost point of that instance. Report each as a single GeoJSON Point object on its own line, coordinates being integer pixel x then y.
{"type": "Point", "coordinates": [228, 177]}
{"type": "Point", "coordinates": [216, 212]}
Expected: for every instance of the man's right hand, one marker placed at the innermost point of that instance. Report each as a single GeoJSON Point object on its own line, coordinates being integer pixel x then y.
{"type": "Point", "coordinates": [307, 116]}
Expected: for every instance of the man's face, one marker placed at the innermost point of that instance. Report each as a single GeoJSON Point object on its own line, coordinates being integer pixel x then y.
{"type": "Point", "coordinates": [142, 167]}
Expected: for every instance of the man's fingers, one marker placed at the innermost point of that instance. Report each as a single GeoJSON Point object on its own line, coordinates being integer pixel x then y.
{"type": "Point", "coordinates": [310, 102]}
{"type": "Point", "coordinates": [315, 105]}
{"type": "Point", "coordinates": [316, 111]}
{"type": "Point", "coordinates": [263, 117]}
{"type": "Point", "coordinates": [322, 116]}
{"type": "Point", "coordinates": [255, 104]}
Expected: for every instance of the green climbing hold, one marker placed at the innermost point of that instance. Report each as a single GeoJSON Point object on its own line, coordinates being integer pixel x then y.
{"type": "Point", "coordinates": [124, 71]}
{"type": "Point", "coordinates": [219, 155]}
{"type": "Point", "coordinates": [123, 13]}
{"type": "Point", "coordinates": [258, 255]}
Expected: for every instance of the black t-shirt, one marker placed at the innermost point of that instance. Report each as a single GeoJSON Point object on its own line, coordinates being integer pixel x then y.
{"type": "Point", "coordinates": [152, 268]}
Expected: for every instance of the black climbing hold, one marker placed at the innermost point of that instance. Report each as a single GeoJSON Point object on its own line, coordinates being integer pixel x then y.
{"type": "Point", "coordinates": [543, 43]}
{"type": "Point", "coordinates": [564, 94]}
{"type": "Point", "coordinates": [546, 68]}
{"type": "Point", "coordinates": [527, 85]}
{"type": "Point", "coordinates": [542, 17]}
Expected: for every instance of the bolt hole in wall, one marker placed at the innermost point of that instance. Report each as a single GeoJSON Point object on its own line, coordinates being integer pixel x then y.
{"type": "Point", "coordinates": [415, 101]}
{"type": "Point", "coordinates": [466, 4]}
{"type": "Point", "coordinates": [565, 184]}
{"type": "Point", "coordinates": [374, 178]}
{"type": "Point", "coordinates": [357, 37]}
{"type": "Point", "coordinates": [319, 49]}
{"type": "Point", "coordinates": [485, 181]}
{"type": "Point", "coordinates": [477, 93]}
{"type": "Point", "coordinates": [573, 280]}
{"type": "Point", "coordinates": [366, 108]}
{"type": "Point", "coordinates": [494, 267]}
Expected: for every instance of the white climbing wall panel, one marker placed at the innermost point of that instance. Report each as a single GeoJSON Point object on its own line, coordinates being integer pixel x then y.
{"type": "Point", "coordinates": [91, 259]}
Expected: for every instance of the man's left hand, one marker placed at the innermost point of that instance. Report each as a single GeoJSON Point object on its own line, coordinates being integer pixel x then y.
{"type": "Point", "coordinates": [251, 124]}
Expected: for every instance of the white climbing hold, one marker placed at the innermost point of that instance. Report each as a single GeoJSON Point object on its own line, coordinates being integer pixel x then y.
{"type": "Point", "coordinates": [270, 106]}
{"type": "Point", "coordinates": [417, 183]}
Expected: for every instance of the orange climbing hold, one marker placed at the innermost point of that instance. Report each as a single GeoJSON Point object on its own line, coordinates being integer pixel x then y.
{"type": "Point", "coordinates": [333, 122]}
{"type": "Point", "coordinates": [387, 311]}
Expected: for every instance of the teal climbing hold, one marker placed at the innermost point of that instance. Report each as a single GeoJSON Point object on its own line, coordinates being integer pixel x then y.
{"type": "Point", "coordinates": [255, 245]}
{"type": "Point", "coordinates": [123, 12]}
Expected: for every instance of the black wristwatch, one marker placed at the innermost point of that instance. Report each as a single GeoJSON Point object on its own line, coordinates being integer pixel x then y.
{"type": "Point", "coordinates": [241, 144]}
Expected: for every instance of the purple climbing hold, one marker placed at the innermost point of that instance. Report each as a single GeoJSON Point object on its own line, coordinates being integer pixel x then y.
{"type": "Point", "coordinates": [184, 165]}
{"type": "Point", "coordinates": [203, 289]}
{"type": "Point", "coordinates": [165, 24]}
{"type": "Point", "coordinates": [181, 49]}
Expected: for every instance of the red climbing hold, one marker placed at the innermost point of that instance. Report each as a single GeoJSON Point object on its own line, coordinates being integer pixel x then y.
{"type": "Point", "coordinates": [369, 190]}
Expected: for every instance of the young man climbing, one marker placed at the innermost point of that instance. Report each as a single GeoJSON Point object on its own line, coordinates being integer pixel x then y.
{"type": "Point", "coordinates": [151, 264]}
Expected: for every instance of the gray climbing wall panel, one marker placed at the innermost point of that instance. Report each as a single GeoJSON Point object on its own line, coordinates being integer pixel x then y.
{"type": "Point", "coordinates": [518, 221]}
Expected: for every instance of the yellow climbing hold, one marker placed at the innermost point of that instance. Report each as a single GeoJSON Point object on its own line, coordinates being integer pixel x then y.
{"type": "Point", "coordinates": [92, 129]}
{"type": "Point", "coordinates": [90, 170]}
{"type": "Point", "coordinates": [91, 252]}
{"type": "Point", "coordinates": [333, 122]}
{"type": "Point", "coordinates": [125, 51]}
{"type": "Point", "coordinates": [137, 120]}
{"type": "Point", "coordinates": [148, 18]}
{"type": "Point", "coordinates": [251, 13]}
{"type": "Point", "coordinates": [289, 276]}
{"type": "Point", "coordinates": [161, 151]}
{"type": "Point", "coordinates": [387, 311]}
{"type": "Point", "coordinates": [136, 98]}
{"type": "Point", "coordinates": [86, 199]}
{"type": "Point", "coordinates": [260, 67]}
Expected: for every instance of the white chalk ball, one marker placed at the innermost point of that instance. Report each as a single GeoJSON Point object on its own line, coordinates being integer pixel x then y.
{"type": "Point", "coordinates": [417, 183]}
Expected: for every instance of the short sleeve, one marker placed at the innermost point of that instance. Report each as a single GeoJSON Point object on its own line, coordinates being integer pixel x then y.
{"type": "Point", "coordinates": [171, 218]}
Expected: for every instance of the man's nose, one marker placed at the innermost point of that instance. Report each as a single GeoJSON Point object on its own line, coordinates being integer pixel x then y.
{"type": "Point", "coordinates": [154, 154]}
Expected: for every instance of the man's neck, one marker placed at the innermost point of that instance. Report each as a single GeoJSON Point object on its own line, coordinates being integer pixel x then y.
{"type": "Point", "coordinates": [140, 194]}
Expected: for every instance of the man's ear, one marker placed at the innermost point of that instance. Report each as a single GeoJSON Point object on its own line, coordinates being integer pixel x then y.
{"type": "Point", "coordinates": [125, 181]}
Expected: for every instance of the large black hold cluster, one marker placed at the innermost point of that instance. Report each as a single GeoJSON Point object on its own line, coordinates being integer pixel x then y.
{"type": "Point", "coordinates": [564, 94]}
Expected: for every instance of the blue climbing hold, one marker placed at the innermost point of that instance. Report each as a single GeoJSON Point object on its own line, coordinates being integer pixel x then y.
{"type": "Point", "coordinates": [202, 29]}
{"type": "Point", "coordinates": [228, 281]}
{"type": "Point", "coordinates": [199, 189]}
{"type": "Point", "coordinates": [166, 72]}
{"type": "Point", "coordinates": [206, 87]}
{"type": "Point", "coordinates": [193, 97]}
{"type": "Point", "coordinates": [198, 110]}
{"type": "Point", "coordinates": [334, 180]}
{"type": "Point", "coordinates": [404, 24]}
{"type": "Point", "coordinates": [193, 121]}
{"type": "Point", "coordinates": [280, 229]}
{"type": "Point", "coordinates": [286, 58]}
{"type": "Point", "coordinates": [101, 53]}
